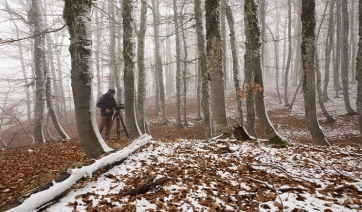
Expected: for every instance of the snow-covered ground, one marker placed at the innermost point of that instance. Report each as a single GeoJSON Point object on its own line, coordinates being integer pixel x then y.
{"type": "Point", "coordinates": [221, 174]}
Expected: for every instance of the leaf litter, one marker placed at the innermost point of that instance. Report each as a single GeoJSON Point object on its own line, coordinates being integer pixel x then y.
{"type": "Point", "coordinates": [251, 176]}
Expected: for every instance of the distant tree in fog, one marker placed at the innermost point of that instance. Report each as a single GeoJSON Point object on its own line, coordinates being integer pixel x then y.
{"type": "Point", "coordinates": [359, 69]}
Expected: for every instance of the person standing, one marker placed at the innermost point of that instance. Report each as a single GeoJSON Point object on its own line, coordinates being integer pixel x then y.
{"type": "Point", "coordinates": [106, 103]}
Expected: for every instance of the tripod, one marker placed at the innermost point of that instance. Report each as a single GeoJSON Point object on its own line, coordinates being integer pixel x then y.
{"type": "Point", "coordinates": [117, 116]}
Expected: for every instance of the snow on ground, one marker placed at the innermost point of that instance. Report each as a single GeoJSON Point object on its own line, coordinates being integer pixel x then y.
{"type": "Point", "coordinates": [227, 175]}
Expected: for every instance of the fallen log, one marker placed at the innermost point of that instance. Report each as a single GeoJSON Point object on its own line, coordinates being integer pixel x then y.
{"type": "Point", "coordinates": [150, 184]}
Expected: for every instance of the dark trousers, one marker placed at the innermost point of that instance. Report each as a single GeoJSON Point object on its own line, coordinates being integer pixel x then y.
{"type": "Point", "coordinates": [106, 121]}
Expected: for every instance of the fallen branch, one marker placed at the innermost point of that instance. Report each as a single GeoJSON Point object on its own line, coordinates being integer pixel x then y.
{"type": "Point", "coordinates": [150, 184]}
{"type": "Point", "coordinates": [286, 172]}
{"type": "Point", "coordinates": [352, 186]}
{"type": "Point", "coordinates": [270, 187]}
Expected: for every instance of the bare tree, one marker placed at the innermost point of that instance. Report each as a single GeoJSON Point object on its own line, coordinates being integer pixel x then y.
{"type": "Point", "coordinates": [77, 17]}
{"type": "Point", "coordinates": [214, 55]}
{"type": "Point", "coordinates": [39, 55]}
{"type": "Point", "coordinates": [286, 75]}
{"type": "Point", "coordinates": [359, 69]}
{"type": "Point", "coordinates": [234, 52]}
{"type": "Point", "coordinates": [329, 44]}
{"type": "Point", "coordinates": [184, 71]}
{"type": "Point", "coordinates": [128, 55]}
{"type": "Point", "coordinates": [178, 66]}
{"type": "Point", "coordinates": [318, 74]}
{"type": "Point", "coordinates": [308, 48]}
{"type": "Point", "coordinates": [252, 33]}
{"type": "Point", "coordinates": [141, 115]}
{"type": "Point", "coordinates": [160, 92]}
{"type": "Point", "coordinates": [344, 59]}
{"type": "Point", "coordinates": [203, 66]}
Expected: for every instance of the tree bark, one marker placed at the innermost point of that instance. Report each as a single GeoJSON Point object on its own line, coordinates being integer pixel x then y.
{"type": "Point", "coordinates": [214, 55]}
{"type": "Point", "coordinates": [178, 66]}
{"type": "Point", "coordinates": [253, 38]}
{"type": "Point", "coordinates": [97, 54]}
{"type": "Point", "coordinates": [204, 69]}
{"type": "Point", "coordinates": [158, 63]}
{"type": "Point", "coordinates": [128, 55]}
{"type": "Point", "coordinates": [318, 75]}
{"type": "Point", "coordinates": [156, 32]}
{"type": "Point", "coordinates": [345, 60]}
{"type": "Point", "coordinates": [184, 73]}
{"type": "Point", "coordinates": [39, 54]}
{"type": "Point", "coordinates": [329, 44]}
{"type": "Point", "coordinates": [141, 97]}
{"type": "Point", "coordinates": [112, 46]}
{"type": "Point", "coordinates": [337, 51]}
{"type": "Point", "coordinates": [286, 75]}
{"type": "Point", "coordinates": [359, 69]}
{"type": "Point", "coordinates": [308, 48]}
{"type": "Point", "coordinates": [234, 52]}
{"type": "Point", "coordinates": [77, 17]}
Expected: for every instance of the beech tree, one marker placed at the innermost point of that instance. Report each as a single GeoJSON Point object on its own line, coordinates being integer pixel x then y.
{"type": "Point", "coordinates": [359, 69]}
{"type": "Point", "coordinates": [141, 91]}
{"type": "Point", "coordinates": [128, 55]}
{"type": "Point", "coordinates": [253, 44]}
{"type": "Point", "coordinates": [160, 87]}
{"type": "Point", "coordinates": [214, 56]}
{"type": "Point", "coordinates": [77, 16]}
{"type": "Point", "coordinates": [234, 52]}
{"type": "Point", "coordinates": [39, 55]}
{"type": "Point", "coordinates": [309, 87]}
{"type": "Point", "coordinates": [203, 66]}
{"type": "Point", "coordinates": [345, 58]}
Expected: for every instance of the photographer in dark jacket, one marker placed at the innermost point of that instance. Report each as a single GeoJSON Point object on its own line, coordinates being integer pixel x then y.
{"type": "Point", "coordinates": [106, 103]}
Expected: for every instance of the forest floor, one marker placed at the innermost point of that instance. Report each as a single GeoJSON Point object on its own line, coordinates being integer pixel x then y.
{"type": "Point", "coordinates": [25, 168]}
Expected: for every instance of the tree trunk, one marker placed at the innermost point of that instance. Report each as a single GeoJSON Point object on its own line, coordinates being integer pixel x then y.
{"type": "Point", "coordinates": [214, 55]}
{"type": "Point", "coordinates": [178, 66]}
{"type": "Point", "coordinates": [128, 54]}
{"type": "Point", "coordinates": [184, 73]}
{"type": "Point", "coordinates": [223, 40]}
{"type": "Point", "coordinates": [353, 43]}
{"type": "Point", "coordinates": [39, 54]}
{"type": "Point", "coordinates": [344, 59]}
{"type": "Point", "coordinates": [112, 46]}
{"type": "Point", "coordinates": [329, 44]}
{"type": "Point", "coordinates": [97, 54]}
{"type": "Point", "coordinates": [141, 115]}
{"type": "Point", "coordinates": [276, 49]}
{"type": "Point", "coordinates": [77, 17]}
{"type": "Point", "coordinates": [337, 51]}
{"type": "Point", "coordinates": [262, 17]}
{"type": "Point", "coordinates": [286, 75]}
{"type": "Point", "coordinates": [204, 70]}
{"type": "Point", "coordinates": [359, 69]}
{"type": "Point", "coordinates": [50, 83]}
{"type": "Point", "coordinates": [308, 48]}
{"type": "Point", "coordinates": [318, 74]}
{"type": "Point", "coordinates": [249, 75]}
{"type": "Point", "coordinates": [234, 52]}
{"type": "Point", "coordinates": [253, 43]}
{"type": "Point", "coordinates": [23, 69]}
{"type": "Point", "coordinates": [156, 29]}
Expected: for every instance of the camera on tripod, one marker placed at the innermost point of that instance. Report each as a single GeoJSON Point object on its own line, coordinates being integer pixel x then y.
{"type": "Point", "coordinates": [119, 106]}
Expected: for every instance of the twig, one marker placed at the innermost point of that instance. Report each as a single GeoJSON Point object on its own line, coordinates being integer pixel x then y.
{"type": "Point", "coordinates": [33, 36]}
{"type": "Point", "coordinates": [270, 187]}
{"type": "Point", "coordinates": [150, 184]}
{"type": "Point", "coordinates": [285, 171]}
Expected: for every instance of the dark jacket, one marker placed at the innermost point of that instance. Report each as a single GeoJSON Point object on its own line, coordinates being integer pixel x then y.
{"type": "Point", "coordinates": [106, 101]}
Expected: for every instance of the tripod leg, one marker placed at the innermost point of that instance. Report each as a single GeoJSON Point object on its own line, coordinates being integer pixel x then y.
{"type": "Point", "coordinates": [118, 127]}
{"type": "Point", "coordinates": [110, 128]}
{"type": "Point", "coordinates": [124, 127]}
